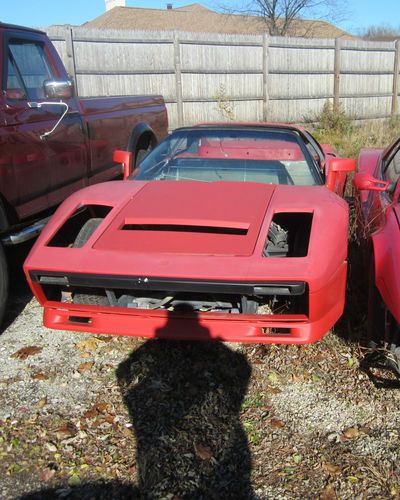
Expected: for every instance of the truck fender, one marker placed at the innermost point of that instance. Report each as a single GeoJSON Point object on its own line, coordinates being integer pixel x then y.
{"type": "Point", "coordinates": [142, 139]}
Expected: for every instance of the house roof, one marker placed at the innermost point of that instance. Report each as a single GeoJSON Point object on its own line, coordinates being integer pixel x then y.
{"type": "Point", "coordinates": [196, 17]}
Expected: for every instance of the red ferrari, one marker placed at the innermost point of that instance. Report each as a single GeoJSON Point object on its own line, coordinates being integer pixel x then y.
{"type": "Point", "coordinates": [235, 232]}
{"type": "Point", "coordinates": [378, 224]}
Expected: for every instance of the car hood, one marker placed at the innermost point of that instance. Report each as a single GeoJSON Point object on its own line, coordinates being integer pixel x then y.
{"type": "Point", "coordinates": [218, 218]}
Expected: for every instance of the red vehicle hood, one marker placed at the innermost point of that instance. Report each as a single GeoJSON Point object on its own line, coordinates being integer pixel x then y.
{"type": "Point", "coordinates": [210, 218]}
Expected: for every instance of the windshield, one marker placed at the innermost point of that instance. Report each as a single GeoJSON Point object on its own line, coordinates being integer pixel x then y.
{"type": "Point", "coordinates": [269, 156]}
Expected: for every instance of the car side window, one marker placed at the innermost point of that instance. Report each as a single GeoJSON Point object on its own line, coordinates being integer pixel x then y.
{"type": "Point", "coordinates": [392, 170]}
{"type": "Point", "coordinates": [28, 67]}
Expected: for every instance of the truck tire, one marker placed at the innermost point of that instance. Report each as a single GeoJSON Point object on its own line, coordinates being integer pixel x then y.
{"type": "Point", "coordinates": [3, 283]}
{"type": "Point", "coordinates": [84, 234]}
{"type": "Point", "coordinates": [140, 155]}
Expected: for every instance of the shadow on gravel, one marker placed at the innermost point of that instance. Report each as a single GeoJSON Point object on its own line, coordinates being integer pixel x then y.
{"type": "Point", "coordinates": [89, 491]}
{"type": "Point", "coordinates": [19, 291]}
{"type": "Point", "coordinates": [184, 400]}
{"type": "Point", "coordinates": [352, 325]}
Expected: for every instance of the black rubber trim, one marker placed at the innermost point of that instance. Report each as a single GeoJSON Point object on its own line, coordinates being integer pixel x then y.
{"type": "Point", "coordinates": [169, 284]}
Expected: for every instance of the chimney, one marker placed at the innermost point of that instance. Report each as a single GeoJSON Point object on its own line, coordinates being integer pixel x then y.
{"type": "Point", "coordinates": [110, 4]}
{"type": "Point", "coordinates": [169, 6]}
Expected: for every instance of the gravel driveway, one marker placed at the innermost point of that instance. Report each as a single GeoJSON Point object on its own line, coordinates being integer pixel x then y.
{"type": "Point", "coordinates": [107, 417]}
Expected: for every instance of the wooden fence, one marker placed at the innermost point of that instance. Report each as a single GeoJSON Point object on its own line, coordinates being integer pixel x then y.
{"type": "Point", "coordinates": [211, 77]}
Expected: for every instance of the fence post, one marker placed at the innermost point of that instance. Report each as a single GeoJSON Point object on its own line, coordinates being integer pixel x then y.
{"type": "Point", "coordinates": [336, 82]}
{"type": "Point", "coordinates": [178, 79]}
{"type": "Point", "coordinates": [70, 62]}
{"type": "Point", "coordinates": [265, 76]}
{"type": "Point", "coordinates": [395, 102]}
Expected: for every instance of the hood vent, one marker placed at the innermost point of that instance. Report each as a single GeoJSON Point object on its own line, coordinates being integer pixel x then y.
{"type": "Point", "coordinates": [239, 229]}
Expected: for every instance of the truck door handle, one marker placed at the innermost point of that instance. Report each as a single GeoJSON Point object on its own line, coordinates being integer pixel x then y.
{"type": "Point", "coordinates": [38, 105]}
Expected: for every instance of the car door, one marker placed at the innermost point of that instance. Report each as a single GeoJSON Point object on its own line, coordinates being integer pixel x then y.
{"type": "Point", "coordinates": [378, 202]}
{"type": "Point", "coordinates": [46, 169]}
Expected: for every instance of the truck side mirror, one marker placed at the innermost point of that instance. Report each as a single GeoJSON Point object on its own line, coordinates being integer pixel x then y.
{"type": "Point", "coordinates": [59, 89]}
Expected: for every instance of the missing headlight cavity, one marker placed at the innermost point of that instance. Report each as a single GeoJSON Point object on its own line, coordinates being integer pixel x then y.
{"type": "Point", "coordinates": [289, 235]}
{"type": "Point", "coordinates": [66, 235]}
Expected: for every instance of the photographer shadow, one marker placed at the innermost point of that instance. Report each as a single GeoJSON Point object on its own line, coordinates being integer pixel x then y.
{"type": "Point", "coordinates": [184, 400]}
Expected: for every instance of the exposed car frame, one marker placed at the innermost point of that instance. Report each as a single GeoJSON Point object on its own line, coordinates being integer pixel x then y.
{"type": "Point", "coordinates": [211, 261]}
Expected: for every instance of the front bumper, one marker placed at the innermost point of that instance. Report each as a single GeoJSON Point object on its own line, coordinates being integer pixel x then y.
{"type": "Point", "coordinates": [325, 307]}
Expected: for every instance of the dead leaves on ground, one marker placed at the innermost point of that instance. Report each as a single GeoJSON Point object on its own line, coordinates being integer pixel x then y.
{"type": "Point", "coordinates": [331, 468]}
{"type": "Point", "coordinates": [203, 452]}
{"type": "Point", "coordinates": [276, 423]}
{"type": "Point", "coordinates": [24, 352]}
{"type": "Point", "coordinates": [85, 367]}
{"type": "Point", "coordinates": [350, 433]}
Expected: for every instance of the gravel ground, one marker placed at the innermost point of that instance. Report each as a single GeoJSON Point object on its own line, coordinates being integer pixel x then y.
{"type": "Point", "coordinates": [107, 417]}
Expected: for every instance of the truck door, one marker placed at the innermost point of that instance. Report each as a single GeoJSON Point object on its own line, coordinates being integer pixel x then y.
{"type": "Point", "coordinates": [46, 168]}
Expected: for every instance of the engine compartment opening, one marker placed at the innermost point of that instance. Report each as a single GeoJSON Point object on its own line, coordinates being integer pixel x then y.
{"type": "Point", "coordinates": [67, 233]}
{"type": "Point", "coordinates": [289, 235]}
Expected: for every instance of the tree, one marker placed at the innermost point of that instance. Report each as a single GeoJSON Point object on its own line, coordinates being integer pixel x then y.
{"type": "Point", "coordinates": [380, 32]}
{"type": "Point", "coordinates": [280, 15]}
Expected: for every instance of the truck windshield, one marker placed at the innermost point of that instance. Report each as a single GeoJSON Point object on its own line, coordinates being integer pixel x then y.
{"type": "Point", "coordinates": [266, 155]}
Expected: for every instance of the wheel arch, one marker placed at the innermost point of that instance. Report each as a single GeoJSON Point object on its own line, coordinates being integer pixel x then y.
{"type": "Point", "coordinates": [142, 137]}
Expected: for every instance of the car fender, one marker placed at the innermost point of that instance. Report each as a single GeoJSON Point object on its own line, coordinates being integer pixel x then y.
{"type": "Point", "coordinates": [386, 249]}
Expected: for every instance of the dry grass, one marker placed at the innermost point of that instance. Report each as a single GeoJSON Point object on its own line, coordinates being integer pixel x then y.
{"type": "Point", "coordinates": [348, 138]}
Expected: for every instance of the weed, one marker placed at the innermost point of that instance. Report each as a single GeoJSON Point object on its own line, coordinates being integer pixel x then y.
{"type": "Point", "coordinates": [224, 105]}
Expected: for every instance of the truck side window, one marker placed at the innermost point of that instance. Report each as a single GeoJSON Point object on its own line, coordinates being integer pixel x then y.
{"type": "Point", "coordinates": [29, 62]}
{"type": "Point", "coordinates": [14, 87]}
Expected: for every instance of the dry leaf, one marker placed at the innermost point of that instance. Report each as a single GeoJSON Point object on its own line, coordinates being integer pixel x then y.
{"type": "Point", "coordinates": [110, 419]}
{"type": "Point", "coordinates": [102, 407]}
{"type": "Point", "coordinates": [67, 430]}
{"type": "Point", "coordinates": [351, 433]}
{"type": "Point", "coordinates": [276, 423]}
{"type": "Point", "coordinates": [46, 474]}
{"type": "Point", "coordinates": [91, 413]}
{"type": "Point", "coordinates": [40, 376]}
{"type": "Point", "coordinates": [203, 452]}
{"type": "Point", "coordinates": [41, 403]}
{"type": "Point", "coordinates": [84, 367]}
{"type": "Point", "coordinates": [328, 494]}
{"type": "Point", "coordinates": [331, 468]}
{"type": "Point", "coordinates": [24, 352]}
{"type": "Point", "coordinates": [89, 344]}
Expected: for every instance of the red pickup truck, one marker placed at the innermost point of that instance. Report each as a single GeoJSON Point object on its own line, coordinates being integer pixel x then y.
{"type": "Point", "coordinates": [52, 142]}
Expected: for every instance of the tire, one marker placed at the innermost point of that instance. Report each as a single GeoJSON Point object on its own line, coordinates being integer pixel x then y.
{"type": "Point", "coordinates": [3, 283]}
{"type": "Point", "coordinates": [141, 155]}
{"type": "Point", "coordinates": [84, 234]}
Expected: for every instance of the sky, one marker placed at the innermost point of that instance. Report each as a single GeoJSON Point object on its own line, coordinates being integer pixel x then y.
{"type": "Point", "coordinates": [42, 13]}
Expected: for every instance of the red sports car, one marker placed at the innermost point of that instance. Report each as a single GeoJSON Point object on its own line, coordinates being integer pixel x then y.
{"type": "Point", "coordinates": [234, 232]}
{"type": "Point", "coordinates": [378, 223]}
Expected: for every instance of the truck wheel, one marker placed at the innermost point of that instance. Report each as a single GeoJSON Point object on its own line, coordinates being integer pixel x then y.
{"type": "Point", "coordinates": [3, 283]}
{"type": "Point", "coordinates": [141, 154]}
{"type": "Point", "coordinates": [84, 234]}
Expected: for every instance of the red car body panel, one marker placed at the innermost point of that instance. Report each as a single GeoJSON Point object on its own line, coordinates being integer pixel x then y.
{"type": "Point", "coordinates": [140, 240]}
{"type": "Point", "coordinates": [379, 220]}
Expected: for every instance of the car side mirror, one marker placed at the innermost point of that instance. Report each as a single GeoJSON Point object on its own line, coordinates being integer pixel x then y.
{"type": "Point", "coordinates": [124, 157]}
{"type": "Point", "coordinates": [337, 170]}
{"type": "Point", "coordinates": [59, 89]}
{"type": "Point", "coordinates": [367, 182]}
